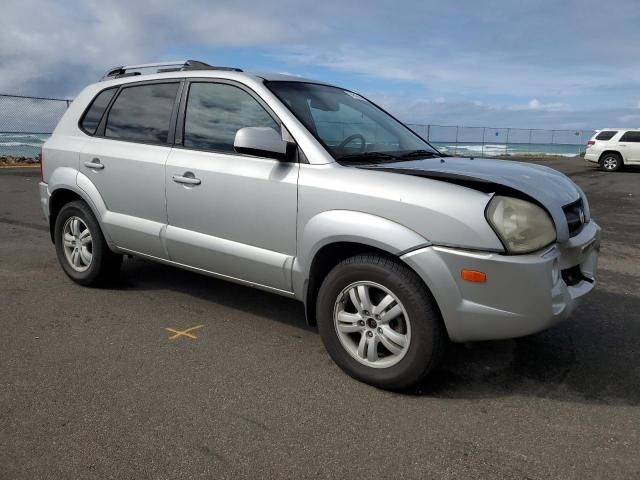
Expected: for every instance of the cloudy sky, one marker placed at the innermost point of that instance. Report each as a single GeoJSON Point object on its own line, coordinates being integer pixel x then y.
{"type": "Point", "coordinates": [511, 63]}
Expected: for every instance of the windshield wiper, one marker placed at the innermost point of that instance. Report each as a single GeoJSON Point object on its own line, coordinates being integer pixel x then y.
{"type": "Point", "coordinates": [419, 154]}
{"type": "Point", "coordinates": [367, 157]}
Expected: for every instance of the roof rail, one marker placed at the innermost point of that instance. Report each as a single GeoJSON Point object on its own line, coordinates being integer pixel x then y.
{"type": "Point", "coordinates": [179, 65]}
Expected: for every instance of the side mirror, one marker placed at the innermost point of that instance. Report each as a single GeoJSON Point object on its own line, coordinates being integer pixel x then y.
{"type": "Point", "coordinates": [260, 141]}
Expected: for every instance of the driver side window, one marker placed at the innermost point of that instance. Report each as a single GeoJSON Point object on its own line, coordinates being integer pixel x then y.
{"type": "Point", "coordinates": [216, 111]}
{"type": "Point", "coordinates": [336, 127]}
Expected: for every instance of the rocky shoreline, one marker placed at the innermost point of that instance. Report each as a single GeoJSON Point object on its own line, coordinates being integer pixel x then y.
{"type": "Point", "coordinates": [10, 161]}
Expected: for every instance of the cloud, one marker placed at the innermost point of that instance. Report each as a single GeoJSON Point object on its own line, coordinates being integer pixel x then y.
{"type": "Point", "coordinates": [55, 48]}
{"type": "Point", "coordinates": [536, 104]}
{"type": "Point", "coordinates": [632, 119]}
{"type": "Point", "coordinates": [471, 73]}
{"type": "Point", "coordinates": [526, 62]}
{"type": "Point", "coordinates": [477, 114]}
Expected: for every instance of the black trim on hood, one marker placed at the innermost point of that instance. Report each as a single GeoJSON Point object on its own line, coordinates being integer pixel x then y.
{"type": "Point", "coordinates": [468, 181]}
{"type": "Point", "coordinates": [538, 184]}
{"type": "Point", "coordinates": [475, 183]}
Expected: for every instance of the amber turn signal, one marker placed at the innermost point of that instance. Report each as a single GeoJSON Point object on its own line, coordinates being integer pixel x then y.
{"type": "Point", "coordinates": [473, 276]}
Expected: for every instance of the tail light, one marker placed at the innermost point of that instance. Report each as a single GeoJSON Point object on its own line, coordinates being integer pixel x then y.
{"type": "Point", "coordinates": [41, 164]}
{"type": "Point", "coordinates": [591, 142]}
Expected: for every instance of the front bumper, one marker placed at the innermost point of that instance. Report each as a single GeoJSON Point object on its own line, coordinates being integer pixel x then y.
{"type": "Point", "coordinates": [523, 294]}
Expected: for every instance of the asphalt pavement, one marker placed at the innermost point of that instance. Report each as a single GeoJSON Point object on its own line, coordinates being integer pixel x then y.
{"type": "Point", "coordinates": [100, 383]}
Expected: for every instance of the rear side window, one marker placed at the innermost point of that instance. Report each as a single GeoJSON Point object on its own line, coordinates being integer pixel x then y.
{"type": "Point", "coordinates": [142, 113]}
{"type": "Point", "coordinates": [92, 117]}
{"type": "Point", "coordinates": [630, 137]}
{"type": "Point", "coordinates": [608, 135]}
{"type": "Point", "coordinates": [216, 111]}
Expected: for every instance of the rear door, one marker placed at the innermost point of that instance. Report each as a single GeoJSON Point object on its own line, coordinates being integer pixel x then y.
{"type": "Point", "coordinates": [125, 160]}
{"type": "Point", "coordinates": [630, 143]}
{"type": "Point", "coordinates": [237, 217]}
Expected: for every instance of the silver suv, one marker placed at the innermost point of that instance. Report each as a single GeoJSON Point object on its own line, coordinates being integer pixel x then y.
{"type": "Point", "coordinates": [313, 192]}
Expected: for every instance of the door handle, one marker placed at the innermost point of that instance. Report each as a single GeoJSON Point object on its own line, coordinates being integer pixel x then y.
{"type": "Point", "coordinates": [94, 164]}
{"type": "Point", "coordinates": [187, 179]}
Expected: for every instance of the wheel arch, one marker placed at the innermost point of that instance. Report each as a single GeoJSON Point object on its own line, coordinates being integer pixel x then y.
{"type": "Point", "coordinates": [332, 236]}
{"type": "Point", "coordinates": [59, 198]}
{"type": "Point", "coordinates": [67, 185]}
{"type": "Point", "coordinates": [607, 152]}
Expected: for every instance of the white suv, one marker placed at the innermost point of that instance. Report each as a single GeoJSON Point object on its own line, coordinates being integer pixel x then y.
{"type": "Point", "coordinates": [612, 148]}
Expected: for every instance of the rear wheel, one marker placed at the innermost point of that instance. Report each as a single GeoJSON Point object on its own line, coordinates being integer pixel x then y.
{"type": "Point", "coordinates": [82, 250]}
{"type": "Point", "coordinates": [611, 162]}
{"type": "Point", "coordinates": [379, 323]}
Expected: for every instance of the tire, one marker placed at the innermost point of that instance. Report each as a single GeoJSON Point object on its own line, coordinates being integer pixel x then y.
{"type": "Point", "coordinates": [611, 162]}
{"type": "Point", "coordinates": [84, 257]}
{"type": "Point", "coordinates": [402, 357]}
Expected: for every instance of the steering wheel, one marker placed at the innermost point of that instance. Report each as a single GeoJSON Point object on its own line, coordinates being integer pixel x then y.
{"type": "Point", "coordinates": [351, 138]}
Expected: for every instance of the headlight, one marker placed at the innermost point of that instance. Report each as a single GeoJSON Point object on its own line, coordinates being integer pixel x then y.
{"type": "Point", "coordinates": [522, 226]}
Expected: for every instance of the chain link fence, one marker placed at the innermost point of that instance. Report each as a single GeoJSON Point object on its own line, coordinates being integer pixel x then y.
{"type": "Point", "coordinates": [26, 122]}
{"type": "Point", "coordinates": [507, 142]}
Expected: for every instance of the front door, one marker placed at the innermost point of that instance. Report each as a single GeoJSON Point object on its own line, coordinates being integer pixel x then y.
{"type": "Point", "coordinates": [230, 214]}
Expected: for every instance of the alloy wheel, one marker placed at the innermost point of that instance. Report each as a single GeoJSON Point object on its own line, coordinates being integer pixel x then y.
{"type": "Point", "coordinates": [610, 163]}
{"type": "Point", "coordinates": [77, 244]}
{"type": "Point", "coordinates": [372, 324]}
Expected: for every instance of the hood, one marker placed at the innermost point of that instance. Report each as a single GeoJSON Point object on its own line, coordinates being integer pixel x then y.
{"type": "Point", "coordinates": [550, 188]}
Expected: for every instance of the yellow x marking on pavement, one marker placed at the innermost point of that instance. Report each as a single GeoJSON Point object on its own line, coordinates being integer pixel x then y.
{"type": "Point", "coordinates": [183, 333]}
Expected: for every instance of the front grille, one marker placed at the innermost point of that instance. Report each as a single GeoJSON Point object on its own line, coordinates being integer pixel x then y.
{"type": "Point", "coordinates": [575, 217]}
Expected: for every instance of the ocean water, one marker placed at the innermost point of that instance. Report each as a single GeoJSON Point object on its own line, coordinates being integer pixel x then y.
{"type": "Point", "coordinates": [21, 144]}
{"type": "Point", "coordinates": [511, 149]}
{"type": "Point", "coordinates": [28, 145]}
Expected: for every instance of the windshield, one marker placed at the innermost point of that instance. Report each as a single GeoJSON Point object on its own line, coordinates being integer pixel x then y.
{"type": "Point", "coordinates": [348, 125]}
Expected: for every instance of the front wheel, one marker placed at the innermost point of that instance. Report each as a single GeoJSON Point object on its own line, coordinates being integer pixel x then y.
{"type": "Point", "coordinates": [379, 323]}
{"type": "Point", "coordinates": [82, 250]}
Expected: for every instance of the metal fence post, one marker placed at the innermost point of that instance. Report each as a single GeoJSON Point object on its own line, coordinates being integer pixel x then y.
{"type": "Point", "coordinates": [506, 144]}
{"type": "Point", "coordinates": [428, 132]}
{"type": "Point", "coordinates": [455, 150]}
{"type": "Point", "coordinates": [579, 135]}
{"type": "Point", "coordinates": [484, 132]}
